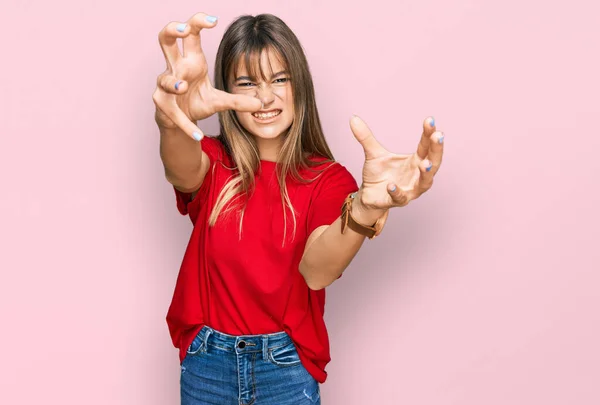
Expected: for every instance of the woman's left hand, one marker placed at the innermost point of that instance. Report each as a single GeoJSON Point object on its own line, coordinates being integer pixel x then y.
{"type": "Point", "coordinates": [393, 180]}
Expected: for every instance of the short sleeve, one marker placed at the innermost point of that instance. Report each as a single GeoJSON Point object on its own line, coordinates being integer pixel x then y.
{"type": "Point", "coordinates": [185, 205]}
{"type": "Point", "coordinates": [329, 195]}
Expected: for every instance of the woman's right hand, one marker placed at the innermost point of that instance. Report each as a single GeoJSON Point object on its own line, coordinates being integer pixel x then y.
{"type": "Point", "coordinates": [183, 92]}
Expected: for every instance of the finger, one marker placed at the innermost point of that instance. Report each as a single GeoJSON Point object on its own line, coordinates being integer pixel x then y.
{"type": "Point", "coordinates": [436, 150]}
{"type": "Point", "coordinates": [168, 106]}
{"type": "Point", "coordinates": [425, 180]}
{"type": "Point", "coordinates": [428, 128]}
{"type": "Point", "coordinates": [184, 123]}
{"type": "Point", "coordinates": [172, 84]}
{"type": "Point", "coordinates": [167, 38]}
{"type": "Point", "coordinates": [191, 42]}
{"type": "Point", "coordinates": [363, 134]}
{"type": "Point", "coordinates": [238, 102]}
{"type": "Point", "coordinates": [399, 196]}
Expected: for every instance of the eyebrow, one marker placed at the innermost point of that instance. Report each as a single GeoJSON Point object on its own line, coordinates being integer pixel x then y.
{"type": "Point", "coordinates": [250, 78]}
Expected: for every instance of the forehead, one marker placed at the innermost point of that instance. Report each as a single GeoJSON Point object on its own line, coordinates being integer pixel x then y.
{"type": "Point", "coordinates": [263, 64]}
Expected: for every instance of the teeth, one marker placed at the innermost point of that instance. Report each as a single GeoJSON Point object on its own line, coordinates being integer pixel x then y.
{"type": "Point", "coordinates": [264, 116]}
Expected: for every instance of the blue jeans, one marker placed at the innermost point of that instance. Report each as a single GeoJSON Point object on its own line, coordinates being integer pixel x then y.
{"type": "Point", "coordinates": [222, 369]}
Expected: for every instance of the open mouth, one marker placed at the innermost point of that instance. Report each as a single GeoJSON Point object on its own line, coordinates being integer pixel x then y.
{"type": "Point", "coordinates": [266, 115]}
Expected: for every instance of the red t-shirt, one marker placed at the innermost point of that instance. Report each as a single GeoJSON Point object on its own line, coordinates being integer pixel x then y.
{"type": "Point", "coordinates": [253, 286]}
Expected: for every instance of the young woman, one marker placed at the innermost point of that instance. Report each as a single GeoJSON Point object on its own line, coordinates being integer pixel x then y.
{"type": "Point", "coordinates": [276, 219]}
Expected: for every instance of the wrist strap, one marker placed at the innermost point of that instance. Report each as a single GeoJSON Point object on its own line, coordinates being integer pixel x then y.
{"type": "Point", "coordinates": [349, 222]}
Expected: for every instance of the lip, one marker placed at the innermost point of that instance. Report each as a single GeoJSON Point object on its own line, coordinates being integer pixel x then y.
{"type": "Point", "coordinates": [269, 120]}
{"type": "Point", "coordinates": [268, 111]}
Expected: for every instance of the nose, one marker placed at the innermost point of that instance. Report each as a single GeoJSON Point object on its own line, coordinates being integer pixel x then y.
{"type": "Point", "coordinates": [265, 94]}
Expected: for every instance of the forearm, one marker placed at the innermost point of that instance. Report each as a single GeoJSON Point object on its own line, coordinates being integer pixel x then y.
{"type": "Point", "coordinates": [181, 157]}
{"type": "Point", "coordinates": [326, 258]}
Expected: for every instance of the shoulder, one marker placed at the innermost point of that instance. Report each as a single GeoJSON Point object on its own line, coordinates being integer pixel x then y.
{"type": "Point", "coordinates": [214, 148]}
{"type": "Point", "coordinates": [322, 166]}
{"type": "Point", "coordinates": [324, 172]}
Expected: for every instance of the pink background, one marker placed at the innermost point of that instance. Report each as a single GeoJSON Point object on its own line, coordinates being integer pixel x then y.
{"type": "Point", "coordinates": [484, 291]}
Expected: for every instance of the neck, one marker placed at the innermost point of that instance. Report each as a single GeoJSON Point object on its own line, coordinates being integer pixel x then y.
{"type": "Point", "coordinates": [268, 149]}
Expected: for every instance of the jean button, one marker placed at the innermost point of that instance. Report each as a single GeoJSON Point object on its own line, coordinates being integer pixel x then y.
{"type": "Point", "coordinates": [242, 344]}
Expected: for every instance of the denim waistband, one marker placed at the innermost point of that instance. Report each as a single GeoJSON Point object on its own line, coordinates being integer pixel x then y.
{"type": "Point", "coordinates": [243, 343]}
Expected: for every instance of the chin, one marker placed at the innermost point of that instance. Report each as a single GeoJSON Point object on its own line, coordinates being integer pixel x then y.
{"type": "Point", "coordinates": [268, 133]}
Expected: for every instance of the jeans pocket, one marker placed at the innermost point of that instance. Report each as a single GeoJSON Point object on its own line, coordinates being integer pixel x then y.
{"type": "Point", "coordinates": [284, 356]}
{"type": "Point", "coordinates": [196, 346]}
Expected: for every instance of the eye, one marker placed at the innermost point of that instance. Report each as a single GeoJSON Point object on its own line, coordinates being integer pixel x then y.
{"type": "Point", "coordinates": [282, 80]}
{"type": "Point", "coordinates": [245, 84]}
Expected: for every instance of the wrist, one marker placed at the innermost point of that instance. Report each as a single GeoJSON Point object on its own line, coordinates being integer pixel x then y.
{"type": "Point", "coordinates": [364, 215]}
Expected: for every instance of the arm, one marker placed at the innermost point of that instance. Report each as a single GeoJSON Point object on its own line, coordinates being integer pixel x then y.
{"type": "Point", "coordinates": [184, 95]}
{"type": "Point", "coordinates": [328, 252]}
{"type": "Point", "coordinates": [389, 180]}
{"type": "Point", "coordinates": [185, 163]}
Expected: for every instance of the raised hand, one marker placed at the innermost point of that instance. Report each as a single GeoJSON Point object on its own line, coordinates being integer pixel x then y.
{"type": "Point", "coordinates": [183, 92]}
{"type": "Point", "coordinates": [393, 180]}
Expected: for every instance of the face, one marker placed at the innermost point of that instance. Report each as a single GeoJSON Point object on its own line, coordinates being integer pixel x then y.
{"type": "Point", "coordinates": [275, 92]}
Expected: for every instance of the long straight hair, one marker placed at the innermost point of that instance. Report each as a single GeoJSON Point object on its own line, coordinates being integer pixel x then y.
{"type": "Point", "coordinates": [243, 42]}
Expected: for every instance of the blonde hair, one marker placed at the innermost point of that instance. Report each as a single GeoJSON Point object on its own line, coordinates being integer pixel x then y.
{"type": "Point", "coordinates": [245, 40]}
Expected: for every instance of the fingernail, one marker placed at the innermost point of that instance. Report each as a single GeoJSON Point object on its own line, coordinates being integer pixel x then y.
{"type": "Point", "coordinates": [177, 85]}
{"type": "Point", "coordinates": [197, 136]}
{"type": "Point", "coordinates": [181, 27]}
{"type": "Point", "coordinates": [428, 168]}
{"type": "Point", "coordinates": [441, 140]}
{"type": "Point", "coordinates": [432, 123]}
{"type": "Point", "coordinates": [211, 19]}
{"type": "Point", "coordinates": [393, 188]}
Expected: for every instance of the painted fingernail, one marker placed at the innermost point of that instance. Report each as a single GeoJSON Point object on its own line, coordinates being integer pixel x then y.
{"type": "Point", "coordinates": [211, 19]}
{"type": "Point", "coordinates": [177, 85]}
{"type": "Point", "coordinates": [181, 27]}
{"type": "Point", "coordinates": [428, 168]}
{"type": "Point", "coordinates": [432, 123]}
{"type": "Point", "coordinates": [393, 188]}
{"type": "Point", "coordinates": [197, 136]}
{"type": "Point", "coordinates": [441, 140]}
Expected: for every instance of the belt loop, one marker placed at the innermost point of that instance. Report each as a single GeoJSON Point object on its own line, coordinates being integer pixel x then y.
{"type": "Point", "coordinates": [265, 348]}
{"type": "Point", "coordinates": [208, 332]}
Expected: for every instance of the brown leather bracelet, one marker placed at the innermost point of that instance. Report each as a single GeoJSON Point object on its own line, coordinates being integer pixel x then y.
{"type": "Point", "coordinates": [349, 222]}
